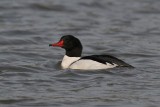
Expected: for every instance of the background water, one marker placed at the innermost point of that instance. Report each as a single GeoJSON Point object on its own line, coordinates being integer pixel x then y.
{"type": "Point", "coordinates": [127, 29]}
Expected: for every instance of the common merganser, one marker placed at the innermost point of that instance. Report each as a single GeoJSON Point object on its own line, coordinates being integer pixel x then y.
{"type": "Point", "coordinates": [73, 60]}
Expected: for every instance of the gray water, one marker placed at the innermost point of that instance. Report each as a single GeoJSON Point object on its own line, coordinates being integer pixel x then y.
{"type": "Point", "coordinates": [127, 29]}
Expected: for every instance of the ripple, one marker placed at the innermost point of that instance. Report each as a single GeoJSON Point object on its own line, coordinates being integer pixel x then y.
{"type": "Point", "coordinates": [22, 70]}
{"type": "Point", "coordinates": [12, 101]}
{"type": "Point", "coordinates": [51, 7]}
{"type": "Point", "coordinates": [139, 55]}
{"type": "Point", "coordinates": [17, 32]}
{"type": "Point", "coordinates": [148, 10]}
{"type": "Point", "coordinates": [94, 4]}
{"type": "Point", "coordinates": [69, 73]}
{"type": "Point", "coordinates": [11, 6]}
{"type": "Point", "coordinates": [17, 42]}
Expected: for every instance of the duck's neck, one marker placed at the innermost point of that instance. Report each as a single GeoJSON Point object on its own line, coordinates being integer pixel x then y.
{"type": "Point", "coordinates": [71, 56]}
{"type": "Point", "coordinates": [67, 61]}
{"type": "Point", "coordinates": [76, 52]}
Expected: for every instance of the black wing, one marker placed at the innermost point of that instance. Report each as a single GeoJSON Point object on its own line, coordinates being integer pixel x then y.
{"type": "Point", "coordinates": [107, 59]}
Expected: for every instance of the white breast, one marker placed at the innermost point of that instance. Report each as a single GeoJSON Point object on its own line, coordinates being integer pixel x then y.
{"type": "Point", "coordinates": [90, 64]}
{"type": "Point", "coordinates": [67, 61]}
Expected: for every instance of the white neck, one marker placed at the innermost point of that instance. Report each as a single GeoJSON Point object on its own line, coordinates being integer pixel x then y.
{"type": "Point", "coordinates": [67, 61]}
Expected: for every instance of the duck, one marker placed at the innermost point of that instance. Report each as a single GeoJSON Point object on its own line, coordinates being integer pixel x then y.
{"type": "Point", "coordinates": [73, 59]}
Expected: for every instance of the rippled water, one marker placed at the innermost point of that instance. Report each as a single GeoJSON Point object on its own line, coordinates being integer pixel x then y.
{"type": "Point", "coordinates": [127, 29]}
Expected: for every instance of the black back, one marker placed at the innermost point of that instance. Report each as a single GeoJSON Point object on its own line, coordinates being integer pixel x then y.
{"type": "Point", "coordinates": [107, 59]}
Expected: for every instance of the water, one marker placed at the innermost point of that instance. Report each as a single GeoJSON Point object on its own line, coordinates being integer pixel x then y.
{"type": "Point", "coordinates": [127, 29]}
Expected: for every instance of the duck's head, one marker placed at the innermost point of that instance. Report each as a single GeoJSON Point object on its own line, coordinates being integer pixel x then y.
{"type": "Point", "coordinates": [71, 44]}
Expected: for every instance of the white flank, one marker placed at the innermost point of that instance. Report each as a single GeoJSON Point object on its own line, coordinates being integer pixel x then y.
{"type": "Point", "coordinates": [90, 65]}
{"type": "Point", "coordinates": [67, 61]}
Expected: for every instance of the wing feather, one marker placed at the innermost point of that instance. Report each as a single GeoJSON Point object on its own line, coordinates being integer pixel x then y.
{"type": "Point", "coordinates": [107, 59]}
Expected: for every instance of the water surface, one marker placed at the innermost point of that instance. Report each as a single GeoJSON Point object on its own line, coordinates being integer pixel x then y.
{"type": "Point", "coordinates": [127, 29]}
